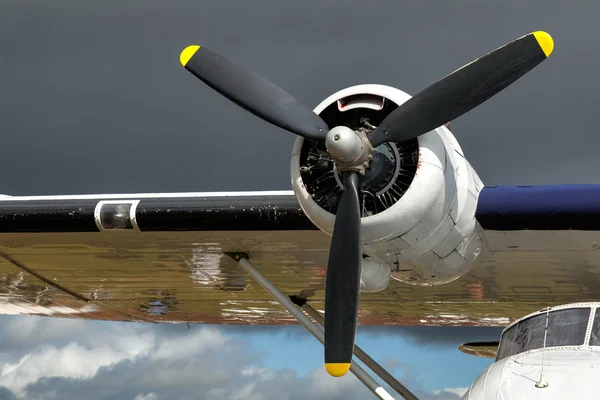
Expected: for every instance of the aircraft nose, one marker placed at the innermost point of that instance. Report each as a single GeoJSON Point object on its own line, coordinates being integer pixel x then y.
{"type": "Point", "coordinates": [487, 384]}
{"type": "Point", "coordinates": [570, 373]}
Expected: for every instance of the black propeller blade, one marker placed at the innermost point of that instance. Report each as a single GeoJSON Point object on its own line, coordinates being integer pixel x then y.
{"type": "Point", "coordinates": [464, 89]}
{"type": "Point", "coordinates": [343, 280]}
{"type": "Point", "coordinates": [253, 93]}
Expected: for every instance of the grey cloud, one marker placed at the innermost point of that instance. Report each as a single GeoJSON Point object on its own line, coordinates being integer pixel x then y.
{"type": "Point", "coordinates": [7, 394]}
{"type": "Point", "coordinates": [444, 336]}
{"type": "Point", "coordinates": [94, 99]}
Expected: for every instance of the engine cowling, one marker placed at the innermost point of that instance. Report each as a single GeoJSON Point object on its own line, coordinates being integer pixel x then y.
{"type": "Point", "coordinates": [419, 197]}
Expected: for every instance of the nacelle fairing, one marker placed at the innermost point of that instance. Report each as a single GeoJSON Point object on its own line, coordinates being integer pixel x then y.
{"type": "Point", "coordinates": [419, 197]}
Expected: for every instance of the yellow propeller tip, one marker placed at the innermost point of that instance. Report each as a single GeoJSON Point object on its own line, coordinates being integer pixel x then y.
{"type": "Point", "coordinates": [545, 41]}
{"type": "Point", "coordinates": [337, 369]}
{"type": "Point", "coordinates": [187, 53]}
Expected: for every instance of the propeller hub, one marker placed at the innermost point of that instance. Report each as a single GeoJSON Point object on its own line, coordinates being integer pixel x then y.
{"type": "Point", "coordinates": [343, 144]}
{"type": "Point", "coordinates": [350, 149]}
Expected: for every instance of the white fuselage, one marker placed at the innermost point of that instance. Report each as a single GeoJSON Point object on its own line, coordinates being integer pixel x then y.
{"type": "Point", "coordinates": [571, 373]}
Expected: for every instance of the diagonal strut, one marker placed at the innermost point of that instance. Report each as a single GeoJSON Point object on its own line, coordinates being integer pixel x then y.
{"type": "Point", "coordinates": [313, 328]}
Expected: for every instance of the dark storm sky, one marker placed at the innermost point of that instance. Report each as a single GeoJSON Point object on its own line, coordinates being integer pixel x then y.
{"type": "Point", "coordinates": [93, 98]}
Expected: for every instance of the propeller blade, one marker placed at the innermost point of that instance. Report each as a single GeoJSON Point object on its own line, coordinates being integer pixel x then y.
{"type": "Point", "coordinates": [464, 89]}
{"type": "Point", "coordinates": [253, 93]}
{"type": "Point", "coordinates": [343, 280]}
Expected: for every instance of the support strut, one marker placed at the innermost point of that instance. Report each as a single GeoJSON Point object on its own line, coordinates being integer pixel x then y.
{"type": "Point", "coordinates": [317, 332]}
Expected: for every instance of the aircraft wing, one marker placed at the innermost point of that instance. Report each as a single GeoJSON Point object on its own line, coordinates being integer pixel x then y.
{"type": "Point", "coordinates": [158, 258]}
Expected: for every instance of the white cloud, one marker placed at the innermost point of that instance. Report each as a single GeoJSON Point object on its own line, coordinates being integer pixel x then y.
{"type": "Point", "coordinates": [195, 343]}
{"type": "Point", "coordinates": [148, 396]}
{"type": "Point", "coordinates": [459, 391]}
{"type": "Point", "coordinates": [71, 361]}
{"type": "Point", "coordinates": [149, 362]}
{"type": "Point", "coordinates": [36, 329]}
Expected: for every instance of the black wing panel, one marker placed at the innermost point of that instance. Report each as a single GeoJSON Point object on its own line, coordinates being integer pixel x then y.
{"type": "Point", "coordinates": [48, 215]}
{"type": "Point", "coordinates": [500, 208]}
{"type": "Point", "coordinates": [222, 214]}
{"type": "Point", "coordinates": [168, 213]}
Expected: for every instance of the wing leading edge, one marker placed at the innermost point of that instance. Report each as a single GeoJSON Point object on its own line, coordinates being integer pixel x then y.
{"type": "Point", "coordinates": [221, 211]}
{"type": "Point", "coordinates": [552, 207]}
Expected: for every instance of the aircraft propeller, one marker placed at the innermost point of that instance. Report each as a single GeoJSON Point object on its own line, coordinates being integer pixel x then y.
{"type": "Point", "coordinates": [444, 101]}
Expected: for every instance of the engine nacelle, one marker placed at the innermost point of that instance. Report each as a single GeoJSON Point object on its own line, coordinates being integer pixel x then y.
{"type": "Point", "coordinates": [419, 196]}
